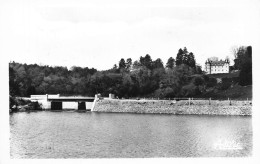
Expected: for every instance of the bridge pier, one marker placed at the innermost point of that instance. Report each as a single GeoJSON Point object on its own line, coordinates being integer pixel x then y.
{"type": "Point", "coordinates": [56, 105]}
{"type": "Point", "coordinates": [82, 105]}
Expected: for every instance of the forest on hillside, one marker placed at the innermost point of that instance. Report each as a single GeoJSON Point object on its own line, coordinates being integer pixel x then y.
{"type": "Point", "coordinates": [179, 77]}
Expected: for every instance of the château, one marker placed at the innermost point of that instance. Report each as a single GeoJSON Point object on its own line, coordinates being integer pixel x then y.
{"type": "Point", "coordinates": [215, 66]}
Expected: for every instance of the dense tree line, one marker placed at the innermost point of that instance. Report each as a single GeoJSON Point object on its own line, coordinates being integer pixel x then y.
{"type": "Point", "coordinates": [143, 77]}
{"type": "Point", "coordinates": [25, 80]}
{"type": "Point", "coordinates": [243, 62]}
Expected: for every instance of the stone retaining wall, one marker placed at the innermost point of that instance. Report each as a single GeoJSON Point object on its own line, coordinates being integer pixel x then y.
{"type": "Point", "coordinates": [213, 107]}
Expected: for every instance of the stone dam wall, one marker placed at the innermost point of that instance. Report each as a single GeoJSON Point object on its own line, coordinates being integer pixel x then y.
{"type": "Point", "coordinates": [197, 107]}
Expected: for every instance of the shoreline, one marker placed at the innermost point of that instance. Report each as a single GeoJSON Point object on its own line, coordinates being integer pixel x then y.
{"type": "Point", "coordinates": [146, 106]}
{"type": "Point", "coordinates": [18, 104]}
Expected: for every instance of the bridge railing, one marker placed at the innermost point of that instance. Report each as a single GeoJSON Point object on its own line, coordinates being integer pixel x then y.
{"type": "Point", "coordinates": [41, 97]}
{"type": "Point", "coordinates": [202, 101]}
{"type": "Point", "coordinates": [186, 98]}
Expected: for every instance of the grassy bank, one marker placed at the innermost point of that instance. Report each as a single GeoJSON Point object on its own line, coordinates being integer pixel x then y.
{"type": "Point", "coordinates": [235, 92]}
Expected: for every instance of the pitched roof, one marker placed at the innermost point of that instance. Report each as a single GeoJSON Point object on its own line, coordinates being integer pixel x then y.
{"type": "Point", "coordinates": [217, 63]}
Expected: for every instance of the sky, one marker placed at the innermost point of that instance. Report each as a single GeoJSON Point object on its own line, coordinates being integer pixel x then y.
{"type": "Point", "coordinates": [98, 33]}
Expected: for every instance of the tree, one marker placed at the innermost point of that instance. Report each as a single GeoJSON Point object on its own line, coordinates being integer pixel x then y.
{"type": "Point", "coordinates": [136, 65]}
{"type": "Point", "coordinates": [128, 64]}
{"type": "Point", "coordinates": [13, 84]}
{"type": "Point", "coordinates": [245, 65]}
{"type": "Point", "coordinates": [243, 62]}
{"type": "Point", "coordinates": [198, 81]}
{"type": "Point", "coordinates": [191, 60]}
{"type": "Point", "coordinates": [185, 57]}
{"type": "Point", "coordinates": [179, 57]}
{"type": "Point", "coordinates": [171, 79]}
{"type": "Point", "coordinates": [122, 64]}
{"type": "Point", "coordinates": [146, 61]}
{"type": "Point", "coordinates": [143, 80]}
{"type": "Point", "coordinates": [114, 69]}
{"type": "Point", "coordinates": [240, 56]}
{"type": "Point", "coordinates": [127, 86]}
{"type": "Point", "coordinates": [31, 91]}
{"type": "Point", "coordinates": [115, 66]}
{"type": "Point", "coordinates": [157, 63]}
{"type": "Point", "coordinates": [170, 63]}
{"type": "Point", "coordinates": [198, 69]}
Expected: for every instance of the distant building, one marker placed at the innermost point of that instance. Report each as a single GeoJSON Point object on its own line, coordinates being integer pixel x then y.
{"type": "Point", "coordinates": [215, 66]}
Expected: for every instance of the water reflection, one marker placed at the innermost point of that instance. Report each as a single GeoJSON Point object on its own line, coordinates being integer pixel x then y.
{"type": "Point", "coordinates": [93, 135]}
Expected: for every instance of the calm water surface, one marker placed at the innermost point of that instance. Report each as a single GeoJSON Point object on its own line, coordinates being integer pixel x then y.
{"type": "Point", "coordinates": [98, 135]}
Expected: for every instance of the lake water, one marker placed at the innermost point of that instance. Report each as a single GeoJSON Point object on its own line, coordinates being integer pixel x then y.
{"type": "Point", "coordinates": [114, 135]}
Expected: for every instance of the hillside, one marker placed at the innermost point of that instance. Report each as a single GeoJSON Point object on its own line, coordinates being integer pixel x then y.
{"type": "Point", "coordinates": [236, 92]}
{"type": "Point", "coordinates": [224, 86]}
{"type": "Point", "coordinates": [225, 75]}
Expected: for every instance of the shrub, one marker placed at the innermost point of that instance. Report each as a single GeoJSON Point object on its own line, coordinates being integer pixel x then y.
{"type": "Point", "coordinates": [34, 106]}
{"type": "Point", "coordinates": [226, 83]}
{"type": "Point", "coordinates": [190, 90]}
{"type": "Point", "coordinates": [212, 82]}
{"type": "Point", "coordinates": [198, 81]}
{"type": "Point", "coordinates": [165, 92]}
{"type": "Point", "coordinates": [206, 78]}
